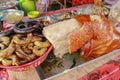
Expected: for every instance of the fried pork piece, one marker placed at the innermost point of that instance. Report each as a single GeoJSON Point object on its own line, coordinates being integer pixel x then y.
{"type": "Point", "coordinates": [102, 39]}
{"type": "Point", "coordinates": [81, 19]}
{"type": "Point", "coordinates": [57, 33]}
{"type": "Point", "coordinates": [94, 37]}
{"type": "Point", "coordinates": [80, 37]}
{"type": "Point", "coordinates": [94, 34]}
{"type": "Point", "coordinates": [105, 39]}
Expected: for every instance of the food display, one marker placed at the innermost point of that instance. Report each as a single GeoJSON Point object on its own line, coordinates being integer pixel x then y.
{"type": "Point", "coordinates": [23, 44]}
{"type": "Point", "coordinates": [77, 34]}
{"type": "Point", "coordinates": [27, 26]}
{"type": "Point", "coordinates": [87, 10]}
{"type": "Point", "coordinates": [19, 49]}
{"type": "Point", "coordinates": [88, 32]}
{"type": "Point", "coordinates": [82, 32]}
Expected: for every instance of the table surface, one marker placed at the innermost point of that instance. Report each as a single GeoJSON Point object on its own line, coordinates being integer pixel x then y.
{"type": "Point", "coordinates": [25, 75]}
{"type": "Point", "coordinates": [84, 69]}
{"type": "Point", "coordinates": [77, 72]}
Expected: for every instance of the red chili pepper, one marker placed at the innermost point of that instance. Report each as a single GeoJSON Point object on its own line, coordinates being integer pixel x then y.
{"type": "Point", "coordinates": [78, 2]}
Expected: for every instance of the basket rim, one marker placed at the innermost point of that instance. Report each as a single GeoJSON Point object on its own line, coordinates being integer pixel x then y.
{"type": "Point", "coordinates": [29, 63]}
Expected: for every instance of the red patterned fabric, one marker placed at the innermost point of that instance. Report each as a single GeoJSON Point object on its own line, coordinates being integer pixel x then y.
{"type": "Point", "coordinates": [109, 71]}
{"type": "Point", "coordinates": [3, 74]}
{"type": "Point", "coordinates": [79, 2]}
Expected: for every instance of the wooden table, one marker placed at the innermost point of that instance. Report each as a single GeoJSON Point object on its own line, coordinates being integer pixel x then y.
{"type": "Point", "coordinates": [25, 75]}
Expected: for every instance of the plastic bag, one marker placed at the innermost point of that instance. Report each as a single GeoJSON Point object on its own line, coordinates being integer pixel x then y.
{"type": "Point", "coordinates": [114, 15]}
{"type": "Point", "coordinates": [42, 5]}
{"type": "Point", "coordinates": [110, 2]}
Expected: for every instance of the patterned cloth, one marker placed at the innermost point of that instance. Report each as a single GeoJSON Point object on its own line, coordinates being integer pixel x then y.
{"type": "Point", "coordinates": [109, 71]}
{"type": "Point", "coordinates": [3, 74]}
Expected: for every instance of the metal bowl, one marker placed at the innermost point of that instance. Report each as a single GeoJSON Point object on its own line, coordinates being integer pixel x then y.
{"type": "Point", "coordinates": [13, 15]}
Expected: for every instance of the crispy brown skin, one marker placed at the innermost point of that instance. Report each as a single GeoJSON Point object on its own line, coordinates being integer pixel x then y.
{"type": "Point", "coordinates": [81, 19]}
{"type": "Point", "coordinates": [79, 37]}
{"type": "Point", "coordinates": [98, 45]}
{"type": "Point", "coordinates": [95, 38]}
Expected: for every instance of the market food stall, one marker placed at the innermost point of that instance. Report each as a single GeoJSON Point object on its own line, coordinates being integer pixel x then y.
{"type": "Point", "coordinates": [70, 43]}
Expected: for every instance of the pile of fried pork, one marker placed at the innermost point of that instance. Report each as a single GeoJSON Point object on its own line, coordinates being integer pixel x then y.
{"type": "Point", "coordinates": [94, 35]}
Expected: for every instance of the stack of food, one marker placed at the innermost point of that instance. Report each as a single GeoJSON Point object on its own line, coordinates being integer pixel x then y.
{"type": "Point", "coordinates": [24, 46]}
{"type": "Point", "coordinates": [93, 34]}
{"type": "Point", "coordinates": [20, 49]}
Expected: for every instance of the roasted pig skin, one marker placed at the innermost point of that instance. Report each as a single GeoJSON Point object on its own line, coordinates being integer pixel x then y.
{"type": "Point", "coordinates": [95, 35]}
{"type": "Point", "coordinates": [104, 39]}
{"type": "Point", "coordinates": [80, 37]}
{"type": "Point", "coordinates": [57, 33]}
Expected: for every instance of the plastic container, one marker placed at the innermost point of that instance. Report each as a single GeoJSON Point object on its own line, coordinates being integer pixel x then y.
{"type": "Point", "coordinates": [27, 5]}
{"type": "Point", "coordinates": [42, 5]}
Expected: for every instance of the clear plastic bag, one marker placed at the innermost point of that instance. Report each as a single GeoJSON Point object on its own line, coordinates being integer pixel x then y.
{"type": "Point", "coordinates": [42, 5]}
{"type": "Point", "coordinates": [114, 15]}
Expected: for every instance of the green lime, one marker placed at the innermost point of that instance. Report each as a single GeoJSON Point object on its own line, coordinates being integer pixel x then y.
{"type": "Point", "coordinates": [33, 14]}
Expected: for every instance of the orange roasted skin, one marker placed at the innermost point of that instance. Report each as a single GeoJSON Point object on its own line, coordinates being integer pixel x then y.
{"type": "Point", "coordinates": [79, 37]}
{"type": "Point", "coordinates": [100, 42]}
{"type": "Point", "coordinates": [95, 38]}
{"type": "Point", "coordinates": [81, 19]}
